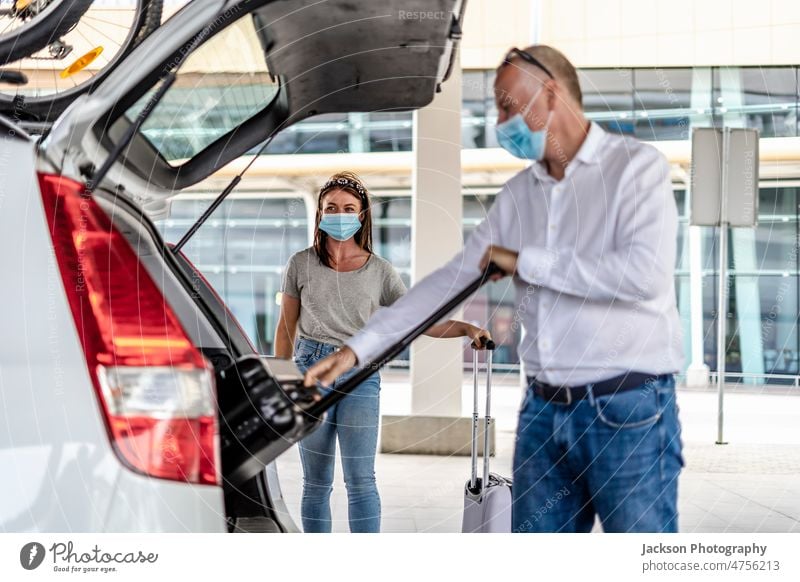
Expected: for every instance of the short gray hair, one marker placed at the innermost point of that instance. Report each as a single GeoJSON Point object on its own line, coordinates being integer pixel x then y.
{"type": "Point", "coordinates": [559, 66]}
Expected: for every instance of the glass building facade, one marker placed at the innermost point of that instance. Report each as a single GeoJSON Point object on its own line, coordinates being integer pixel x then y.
{"type": "Point", "coordinates": [244, 246]}
{"type": "Point", "coordinates": [651, 104]}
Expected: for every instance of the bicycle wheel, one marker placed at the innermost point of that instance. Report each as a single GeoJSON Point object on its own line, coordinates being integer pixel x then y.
{"type": "Point", "coordinates": [27, 26]}
{"type": "Point", "coordinates": [99, 40]}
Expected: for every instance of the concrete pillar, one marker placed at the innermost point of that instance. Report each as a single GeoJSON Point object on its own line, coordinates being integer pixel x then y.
{"type": "Point", "coordinates": [436, 214]}
{"type": "Point", "coordinates": [435, 426]}
{"type": "Point", "coordinates": [697, 373]}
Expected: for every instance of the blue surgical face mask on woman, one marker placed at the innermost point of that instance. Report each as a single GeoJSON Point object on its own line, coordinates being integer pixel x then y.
{"type": "Point", "coordinates": [340, 226]}
{"type": "Point", "coordinates": [518, 139]}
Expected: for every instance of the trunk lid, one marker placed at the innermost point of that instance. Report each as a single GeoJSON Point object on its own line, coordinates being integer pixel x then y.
{"type": "Point", "coordinates": [244, 71]}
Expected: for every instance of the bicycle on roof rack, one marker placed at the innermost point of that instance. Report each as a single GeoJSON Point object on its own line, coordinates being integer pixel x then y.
{"type": "Point", "coordinates": [52, 51]}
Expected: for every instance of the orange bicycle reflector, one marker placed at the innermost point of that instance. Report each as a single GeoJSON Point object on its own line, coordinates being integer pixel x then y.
{"type": "Point", "coordinates": [82, 62]}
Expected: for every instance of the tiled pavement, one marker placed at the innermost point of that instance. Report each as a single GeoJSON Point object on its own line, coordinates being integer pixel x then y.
{"type": "Point", "coordinates": [752, 484]}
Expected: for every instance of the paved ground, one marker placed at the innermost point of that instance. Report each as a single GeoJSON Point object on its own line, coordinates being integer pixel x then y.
{"type": "Point", "coordinates": [752, 484]}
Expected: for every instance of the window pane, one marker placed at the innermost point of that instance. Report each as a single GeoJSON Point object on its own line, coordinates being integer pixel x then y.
{"type": "Point", "coordinates": [390, 131]}
{"type": "Point", "coordinates": [777, 201]}
{"type": "Point", "coordinates": [710, 286]}
{"type": "Point", "coordinates": [776, 233]}
{"type": "Point", "coordinates": [608, 98]}
{"type": "Point", "coordinates": [663, 103]}
{"type": "Point", "coordinates": [242, 250]}
{"type": "Point", "coordinates": [779, 324]}
{"type": "Point", "coordinates": [775, 247]}
{"type": "Point", "coordinates": [391, 232]}
{"type": "Point", "coordinates": [473, 111]}
{"type": "Point", "coordinates": [680, 202]}
{"type": "Point", "coordinates": [320, 134]}
{"type": "Point", "coordinates": [212, 95]}
{"type": "Point", "coordinates": [774, 348]}
{"type": "Point", "coordinates": [764, 98]}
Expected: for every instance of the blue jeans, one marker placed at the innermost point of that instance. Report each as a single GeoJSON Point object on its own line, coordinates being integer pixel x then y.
{"type": "Point", "coordinates": [354, 420]}
{"type": "Point", "coordinates": [617, 456]}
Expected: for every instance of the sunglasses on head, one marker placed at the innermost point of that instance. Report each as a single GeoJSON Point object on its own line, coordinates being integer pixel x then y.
{"type": "Point", "coordinates": [528, 58]}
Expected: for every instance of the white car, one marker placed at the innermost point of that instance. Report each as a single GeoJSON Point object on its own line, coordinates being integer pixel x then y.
{"type": "Point", "coordinates": [131, 400]}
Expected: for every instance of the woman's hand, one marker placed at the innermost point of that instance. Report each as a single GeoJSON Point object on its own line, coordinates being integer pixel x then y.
{"type": "Point", "coordinates": [328, 369]}
{"type": "Point", "coordinates": [455, 328]}
{"type": "Point", "coordinates": [478, 335]}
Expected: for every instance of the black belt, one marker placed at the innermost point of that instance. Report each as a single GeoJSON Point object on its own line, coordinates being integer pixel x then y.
{"type": "Point", "coordinates": [568, 394]}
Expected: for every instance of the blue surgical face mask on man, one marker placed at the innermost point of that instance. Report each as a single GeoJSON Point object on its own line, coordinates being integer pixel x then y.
{"type": "Point", "coordinates": [518, 139]}
{"type": "Point", "coordinates": [340, 226]}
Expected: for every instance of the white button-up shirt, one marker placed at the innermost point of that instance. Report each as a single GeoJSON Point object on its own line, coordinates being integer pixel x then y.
{"type": "Point", "coordinates": [595, 274]}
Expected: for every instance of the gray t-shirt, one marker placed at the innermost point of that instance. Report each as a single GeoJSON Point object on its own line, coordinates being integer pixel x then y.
{"type": "Point", "coordinates": [334, 306]}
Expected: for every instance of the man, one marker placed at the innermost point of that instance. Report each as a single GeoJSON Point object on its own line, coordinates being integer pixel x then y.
{"type": "Point", "coordinates": [589, 233]}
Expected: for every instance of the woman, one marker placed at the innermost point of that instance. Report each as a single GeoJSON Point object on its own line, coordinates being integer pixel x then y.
{"type": "Point", "coordinates": [329, 292]}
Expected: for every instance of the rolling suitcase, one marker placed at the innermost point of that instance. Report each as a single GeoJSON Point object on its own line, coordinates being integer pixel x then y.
{"type": "Point", "coordinates": [487, 500]}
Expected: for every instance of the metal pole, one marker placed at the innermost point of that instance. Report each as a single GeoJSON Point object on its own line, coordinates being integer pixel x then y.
{"type": "Point", "coordinates": [722, 315]}
{"type": "Point", "coordinates": [473, 482]}
{"type": "Point", "coordinates": [722, 307]}
{"type": "Point", "coordinates": [487, 425]}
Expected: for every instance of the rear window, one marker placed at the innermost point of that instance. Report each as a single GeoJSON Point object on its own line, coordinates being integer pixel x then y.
{"type": "Point", "coordinates": [221, 84]}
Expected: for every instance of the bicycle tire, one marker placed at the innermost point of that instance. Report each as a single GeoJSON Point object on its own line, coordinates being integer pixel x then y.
{"type": "Point", "coordinates": [47, 108]}
{"type": "Point", "coordinates": [42, 30]}
{"type": "Point", "coordinates": [152, 20]}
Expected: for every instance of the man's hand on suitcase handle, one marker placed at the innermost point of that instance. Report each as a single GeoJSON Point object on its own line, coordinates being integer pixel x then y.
{"type": "Point", "coordinates": [328, 369]}
{"type": "Point", "coordinates": [505, 259]}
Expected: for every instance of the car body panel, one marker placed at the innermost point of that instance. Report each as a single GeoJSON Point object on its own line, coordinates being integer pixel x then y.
{"type": "Point", "coordinates": [60, 470]}
{"type": "Point", "coordinates": [58, 466]}
{"type": "Point", "coordinates": [144, 504]}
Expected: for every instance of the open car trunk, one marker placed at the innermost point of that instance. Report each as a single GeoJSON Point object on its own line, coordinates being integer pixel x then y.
{"type": "Point", "coordinates": [260, 413]}
{"type": "Point", "coordinates": [263, 407]}
{"type": "Point", "coordinates": [292, 60]}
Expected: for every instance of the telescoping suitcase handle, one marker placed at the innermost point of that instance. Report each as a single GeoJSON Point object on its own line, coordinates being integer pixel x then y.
{"type": "Point", "coordinates": [323, 404]}
{"type": "Point", "coordinates": [473, 482]}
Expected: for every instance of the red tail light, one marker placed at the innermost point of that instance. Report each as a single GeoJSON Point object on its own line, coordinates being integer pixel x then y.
{"type": "Point", "coordinates": [154, 385]}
